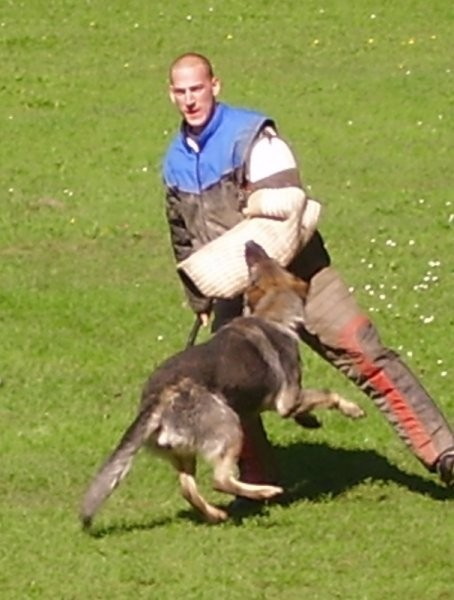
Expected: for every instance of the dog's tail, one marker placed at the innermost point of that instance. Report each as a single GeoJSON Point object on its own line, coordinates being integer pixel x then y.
{"type": "Point", "coordinates": [117, 465]}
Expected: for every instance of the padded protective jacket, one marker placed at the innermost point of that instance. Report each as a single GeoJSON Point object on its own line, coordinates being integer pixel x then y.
{"type": "Point", "coordinates": [205, 179]}
{"type": "Point", "coordinates": [205, 182]}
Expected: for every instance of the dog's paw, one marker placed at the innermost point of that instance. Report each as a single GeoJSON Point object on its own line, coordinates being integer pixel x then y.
{"type": "Point", "coordinates": [215, 515]}
{"type": "Point", "coordinates": [350, 409]}
{"type": "Point", "coordinates": [269, 491]}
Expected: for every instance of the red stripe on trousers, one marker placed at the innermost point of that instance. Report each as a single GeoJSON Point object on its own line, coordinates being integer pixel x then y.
{"type": "Point", "coordinates": [419, 438]}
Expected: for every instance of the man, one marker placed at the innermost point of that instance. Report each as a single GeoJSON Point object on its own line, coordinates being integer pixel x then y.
{"type": "Point", "coordinates": [226, 164]}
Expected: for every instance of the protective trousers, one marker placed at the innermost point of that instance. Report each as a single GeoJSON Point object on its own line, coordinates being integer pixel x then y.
{"type": "Point", "coordinates": [339, 331]}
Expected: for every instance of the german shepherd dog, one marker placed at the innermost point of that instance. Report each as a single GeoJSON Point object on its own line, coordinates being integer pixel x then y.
{"type": "Point", "coordinates": [191, 404]}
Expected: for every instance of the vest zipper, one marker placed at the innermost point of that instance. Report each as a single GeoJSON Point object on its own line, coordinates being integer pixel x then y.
{"type": "Point", "coordinates": [196, 149]}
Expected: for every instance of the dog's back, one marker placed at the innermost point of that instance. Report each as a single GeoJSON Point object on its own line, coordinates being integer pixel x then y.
{"type": "Point", "coordinates": [247, 361]}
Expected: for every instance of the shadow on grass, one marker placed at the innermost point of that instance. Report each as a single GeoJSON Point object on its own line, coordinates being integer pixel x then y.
{"type": "Point", "coordinates": [309, 471]}
{"type": "Point", "coordinates": [312, 471]}
{"type": "Point", "coordinates": [121, 528]}
{"type": "Point", "coordinates": [315, 472]}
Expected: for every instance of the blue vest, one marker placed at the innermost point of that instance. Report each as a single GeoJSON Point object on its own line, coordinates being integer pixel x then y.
{"type": "Point", "coordinates": [223, 147]}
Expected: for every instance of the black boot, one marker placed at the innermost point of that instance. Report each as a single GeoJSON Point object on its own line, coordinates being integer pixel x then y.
{"type": "Point", "coordinates": [445, 467]}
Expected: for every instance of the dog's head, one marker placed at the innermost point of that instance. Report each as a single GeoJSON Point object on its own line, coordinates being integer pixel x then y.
{"type": "Point", "coordinates": [273, 292]}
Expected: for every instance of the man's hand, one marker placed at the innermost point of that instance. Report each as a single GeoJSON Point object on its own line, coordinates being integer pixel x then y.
{"type": "Point", "coordinates": [204, 318]}
{"type": "Point", "coordinates": [252, 208]}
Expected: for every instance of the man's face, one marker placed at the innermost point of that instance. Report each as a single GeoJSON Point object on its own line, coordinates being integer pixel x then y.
{"type": "Point", "coordinates": [193, 92]}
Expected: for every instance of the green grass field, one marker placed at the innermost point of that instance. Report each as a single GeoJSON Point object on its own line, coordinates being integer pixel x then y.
{"type": "Point", "coordinates": [89, 301]}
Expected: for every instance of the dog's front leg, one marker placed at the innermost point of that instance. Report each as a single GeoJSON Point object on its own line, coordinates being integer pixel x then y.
{"type": "Point", "coordinates": [313, 399]}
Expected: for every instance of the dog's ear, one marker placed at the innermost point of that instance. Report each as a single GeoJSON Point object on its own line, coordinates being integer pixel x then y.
{"type": "Point", "coordinates": [253, 295]}
{"type": "Point", "coordinates": [257, 289]}
{"type": "Point", "coordinates": [301, 287]}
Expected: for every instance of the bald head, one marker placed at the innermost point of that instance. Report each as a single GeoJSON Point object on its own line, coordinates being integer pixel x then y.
{"type": "Point", "coordinates": [191, 59]}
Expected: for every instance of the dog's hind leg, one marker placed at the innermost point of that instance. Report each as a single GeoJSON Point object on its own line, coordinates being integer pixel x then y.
{"type": "Point", "coordinates": [225, 481]}
{"type": "Point", "coordinates": [313, 399]}
{"type": "Point", "coordinates": [186, 470]}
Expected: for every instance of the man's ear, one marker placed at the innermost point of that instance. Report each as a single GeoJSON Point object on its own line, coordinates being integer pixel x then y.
{"type": "Point", "coordinates": [216, 86]}
{"type": "Point", "coordinates": [171, 94]}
